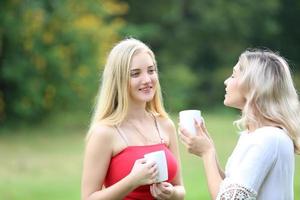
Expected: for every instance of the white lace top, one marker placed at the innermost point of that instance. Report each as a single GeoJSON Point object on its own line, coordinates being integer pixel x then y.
{"type": "Point", "coordinates": [261, 167]}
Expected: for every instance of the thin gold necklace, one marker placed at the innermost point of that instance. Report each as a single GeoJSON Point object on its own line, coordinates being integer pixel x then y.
{"type": "Point", "coordinates": [146, 139]}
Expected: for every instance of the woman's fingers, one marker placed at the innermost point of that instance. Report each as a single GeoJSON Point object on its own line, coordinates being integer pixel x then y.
{"type": "Point", "coordinates": [161, 190]}
{"type": "Point", "coordinates": [183, 131]}
{"type": "Point", "coordinates": [151, 190]}
{"type": "Point", "coordinates": [184, 136]}
{"type": "Point", "coordinates": [198, 127]}
{"type": "Point", "coordinates": [205, 129]}
{"type": "Point", "coordinates": [201, 128]}
{"type": "Point", "coordinates": [155, 175]}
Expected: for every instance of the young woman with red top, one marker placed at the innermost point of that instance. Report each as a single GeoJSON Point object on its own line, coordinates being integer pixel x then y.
{"type": "Point", "coordinates": [130, 121]}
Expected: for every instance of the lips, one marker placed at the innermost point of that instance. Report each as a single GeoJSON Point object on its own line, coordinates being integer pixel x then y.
{"type": "Point", "coordinates": [145, 89]}
{"type": "Point", "coordinates": [226, 93]}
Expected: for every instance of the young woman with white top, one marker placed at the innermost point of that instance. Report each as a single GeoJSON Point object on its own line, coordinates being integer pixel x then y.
{"type": "Point", "coordinates": [262, 163]}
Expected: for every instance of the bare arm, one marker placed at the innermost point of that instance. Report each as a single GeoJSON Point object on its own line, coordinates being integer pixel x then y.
{"type": "Point", "coordinates": [202, 146]}
{"type": "Point", "coordinates": [221, 172]}
{"type": "Point", "coordinates": [212, 172]}
{"type": "Point", "coordinates": [98, 153]}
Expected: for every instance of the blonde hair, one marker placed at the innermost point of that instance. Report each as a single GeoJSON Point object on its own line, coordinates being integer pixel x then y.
{"type": "Point", "coordinates": [113, 97]}
{"type": "Point", "coordinates": [271, 97]}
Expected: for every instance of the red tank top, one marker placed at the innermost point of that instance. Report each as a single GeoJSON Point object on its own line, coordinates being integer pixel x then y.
{"type": "Point", "coordinates": [122, 163]}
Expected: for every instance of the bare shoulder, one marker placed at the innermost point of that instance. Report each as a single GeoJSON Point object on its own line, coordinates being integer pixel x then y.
{"type": "Point", "coordinates": [101, 134]}
{"type": "Point", "coordinates": [166, 123]}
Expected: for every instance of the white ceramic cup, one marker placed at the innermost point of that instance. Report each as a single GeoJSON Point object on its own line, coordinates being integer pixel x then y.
{"type": "Point", "coordinates": [187, 119]}
{"type": "Point", "coordinates": [160, 158]}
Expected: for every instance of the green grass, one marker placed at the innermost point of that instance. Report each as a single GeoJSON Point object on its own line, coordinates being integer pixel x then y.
{"type": "Point", "coordinates": [44, 161]}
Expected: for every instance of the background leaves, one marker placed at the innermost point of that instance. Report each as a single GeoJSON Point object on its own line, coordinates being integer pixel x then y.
{"type": "Point", "coordinates": [52, 52]}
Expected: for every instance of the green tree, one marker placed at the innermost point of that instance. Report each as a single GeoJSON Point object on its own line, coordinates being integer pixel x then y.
{"type": "Point", "coordinates": [204, 36]}
{"type": "Point", "coordinates": [288, 41]}
{"type": "Point", "coordinates": [50, 51]}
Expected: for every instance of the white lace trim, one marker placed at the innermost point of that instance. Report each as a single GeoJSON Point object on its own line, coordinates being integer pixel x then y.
{"type": "Point", "coordinates": [234, 191]}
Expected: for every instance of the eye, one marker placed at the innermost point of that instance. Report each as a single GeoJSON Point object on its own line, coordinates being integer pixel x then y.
{"type": "Point", "coordinates": [232, 75]}
{"type": "Point", "coordinates": [151, 70]}
{"type": "Point", "coordinates": [134, 74]}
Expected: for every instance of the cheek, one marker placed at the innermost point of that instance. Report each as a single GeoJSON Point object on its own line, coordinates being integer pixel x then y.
{"type": "Point", "coordinates": [154, 78]}
{"type": "Point", "coordinates": [234, 89]}
{"type": "Point", "coordinates": [132, 85]}
{"type": "Point", "coordinates": [235, 86]}
{"type": "Point", "coordinates": [134, 82]}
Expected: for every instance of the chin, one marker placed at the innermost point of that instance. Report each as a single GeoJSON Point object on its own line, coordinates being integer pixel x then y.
{"type": "Point", "coordinates": [232, 105]}
{"type": "Point", "coordinates": [228, 104]}
{"type": "Point", "coordinates": [146, 99]}
{"type": "Point", "coordinates": [225, 102]}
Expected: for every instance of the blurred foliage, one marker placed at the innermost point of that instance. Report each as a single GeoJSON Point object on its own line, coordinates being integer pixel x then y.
{"type": "Point", "coordinates": [50, 51]}
{"type": "Point", "coordinates": [180, 81]}
{"type": "Point", "coordinates": [207, 37]}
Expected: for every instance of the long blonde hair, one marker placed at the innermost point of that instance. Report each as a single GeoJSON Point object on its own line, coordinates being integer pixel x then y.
{"type": "Point", "coordinates": [113, 97]}
{"type": "Point", "coordinates": [271, 97]}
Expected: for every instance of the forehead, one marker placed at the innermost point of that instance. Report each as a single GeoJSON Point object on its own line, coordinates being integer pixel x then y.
{"type": "Point", "coordinates": [141, 60]}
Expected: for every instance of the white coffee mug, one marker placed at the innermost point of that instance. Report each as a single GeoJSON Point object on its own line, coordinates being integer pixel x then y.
{"type": "Point", "coordinates": [160, 158]}
{"type": "Point", "coordinates": [187, 119]}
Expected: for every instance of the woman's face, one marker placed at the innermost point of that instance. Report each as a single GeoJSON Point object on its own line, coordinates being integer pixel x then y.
{"type": "Point", "coordinates": [143, 78]}
{"type": "Point", "coordinates": [234, 97]}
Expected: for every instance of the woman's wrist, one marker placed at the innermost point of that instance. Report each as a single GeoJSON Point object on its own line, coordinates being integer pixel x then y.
{"type": "Point", "coordinates": [132, 183]}
{"type": "Point", "coordinates": [178, 193]}
{"type": "Point", "coordinates": [208, 155]}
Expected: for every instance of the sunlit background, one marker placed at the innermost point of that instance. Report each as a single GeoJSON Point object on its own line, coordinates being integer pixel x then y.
{"type": "Point", "coordinates": [52, 53]}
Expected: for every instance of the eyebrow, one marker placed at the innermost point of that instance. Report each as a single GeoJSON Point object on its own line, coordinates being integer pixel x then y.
{"type": "Point", "coordinates": [132, 70]}
{"type": "Point", "coordinates": [136, 69]}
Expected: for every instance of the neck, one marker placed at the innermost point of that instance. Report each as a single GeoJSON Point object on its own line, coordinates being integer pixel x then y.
{"type": "Point", "coordinates": [137, 113]}
{"type": "Point", "coordinates": [137, 110]}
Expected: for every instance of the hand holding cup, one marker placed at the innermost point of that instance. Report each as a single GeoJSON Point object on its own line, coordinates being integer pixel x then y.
{"type": "Point", "coordinates": [159, 157]}
{"type": "Point", "coordinates": [193, 133]}
{"type": "Point", "coordinates": [187, 120]}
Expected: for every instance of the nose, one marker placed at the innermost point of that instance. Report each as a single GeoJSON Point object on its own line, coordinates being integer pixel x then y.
{"type": "Point", "coordinates": [226, 81]}
{"type": "Point", "coordinates": [146, 78]}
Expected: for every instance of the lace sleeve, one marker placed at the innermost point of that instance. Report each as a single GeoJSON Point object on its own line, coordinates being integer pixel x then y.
{"type": "Point", "coordinates": [233, 191]}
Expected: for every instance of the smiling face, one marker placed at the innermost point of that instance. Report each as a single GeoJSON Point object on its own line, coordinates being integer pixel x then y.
{"type": "Point", "coordinates": [143, 78]}
{"type": "Point", "coordinates": [234, 97]}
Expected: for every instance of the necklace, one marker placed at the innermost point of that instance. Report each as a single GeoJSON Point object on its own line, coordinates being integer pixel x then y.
{"type": "Point", "coordinates": [145, 139]}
